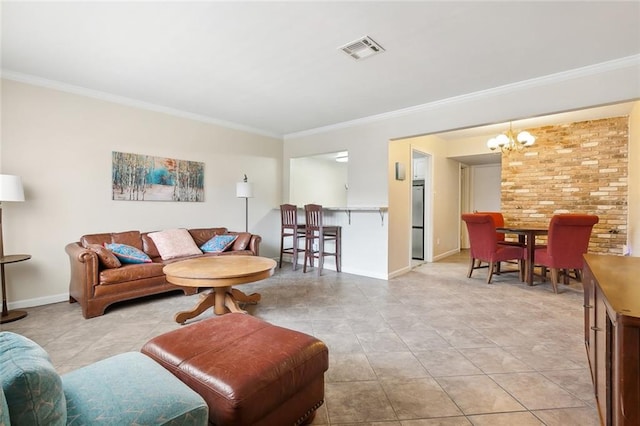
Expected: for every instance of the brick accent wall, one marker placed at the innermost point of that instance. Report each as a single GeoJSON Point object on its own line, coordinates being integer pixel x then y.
{"type": "Point", "coordinates": [572, 168]}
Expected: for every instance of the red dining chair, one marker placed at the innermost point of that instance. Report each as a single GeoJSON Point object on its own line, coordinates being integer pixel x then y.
{"type": "Point", "coordinates": [498, 220]}
{"type": "Point", "coordinates": [485, 248]}
{"type": "Point", "coordinates": [567, 241]}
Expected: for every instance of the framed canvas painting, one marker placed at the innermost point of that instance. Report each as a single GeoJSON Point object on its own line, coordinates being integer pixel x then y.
{"type": "Point", "coordinates": [137, 177]}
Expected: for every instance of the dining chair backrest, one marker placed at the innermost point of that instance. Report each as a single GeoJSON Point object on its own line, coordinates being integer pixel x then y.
{"type": "Point", "coordinates": [568, 239]}
{"type": "Point", "coordinates": [482, 234]}
{"type": "Point", "coordinates": [313, 216]}
{"type": "Point", "coordinates": [289, 216]}
{"type": "Point", "coordinates": [498, 221]}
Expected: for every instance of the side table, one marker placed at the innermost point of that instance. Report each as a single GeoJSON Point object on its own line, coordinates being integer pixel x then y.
{"type": "Point", "coordinates": [8, 316]}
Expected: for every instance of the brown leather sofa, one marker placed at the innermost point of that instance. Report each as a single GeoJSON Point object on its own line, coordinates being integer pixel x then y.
{"type": "Point", "coordinates": [95, 284]}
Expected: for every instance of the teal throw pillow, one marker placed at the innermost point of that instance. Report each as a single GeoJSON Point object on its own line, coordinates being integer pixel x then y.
{"type": "Point", "coordinates": [30, 383]}
{"type": "Point", "coordinates": [128, 254]}
{"type": "Point", "coordinates": [218, 244]}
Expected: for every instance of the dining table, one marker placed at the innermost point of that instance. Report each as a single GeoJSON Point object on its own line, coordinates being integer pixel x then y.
{"type": "Point", "coordinates": [526, 236]}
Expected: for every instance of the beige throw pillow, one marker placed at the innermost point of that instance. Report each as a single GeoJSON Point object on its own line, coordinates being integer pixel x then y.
{"type": "Point", "coordinates": [173, 243]}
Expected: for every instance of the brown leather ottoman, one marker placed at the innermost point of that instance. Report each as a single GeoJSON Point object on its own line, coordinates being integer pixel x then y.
{"type": "Point", "coordinates": [250, 372]}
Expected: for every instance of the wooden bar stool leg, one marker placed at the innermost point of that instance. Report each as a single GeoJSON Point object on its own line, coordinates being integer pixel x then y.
{"type": "Point", "coordinates": [339, 250]}
{"type": "Point", "coordinates": [320, 252]}
{"type": "Point", "coordinates": [281, 248]}
{"type": "Point", "coordinates": [295, 250]}
{"type": "Point", "coordinates": [308, 247]}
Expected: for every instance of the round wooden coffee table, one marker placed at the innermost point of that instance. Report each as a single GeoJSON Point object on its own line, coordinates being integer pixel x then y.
{"type": "Point", "coordinates": [220, 273]}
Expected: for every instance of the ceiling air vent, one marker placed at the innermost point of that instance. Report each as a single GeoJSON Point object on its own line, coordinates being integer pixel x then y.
{"type": "Point", "coordinates": [362, 48]}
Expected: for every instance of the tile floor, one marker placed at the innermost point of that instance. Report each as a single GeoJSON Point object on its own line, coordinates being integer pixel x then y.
{"type": "Point", "coordinates": [428, 348]}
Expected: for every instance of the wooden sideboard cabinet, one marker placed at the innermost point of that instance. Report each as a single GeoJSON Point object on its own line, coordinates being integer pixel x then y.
{"type": "Point", "coordinates": [612, 335]}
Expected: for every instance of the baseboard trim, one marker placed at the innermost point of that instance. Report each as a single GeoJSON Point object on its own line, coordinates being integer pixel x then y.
{"type": "Point", "coordinates": [64, 297]}
{"type": "Point", "coordinates": [446, 254]}
{"type": "Point", "coordinates": [330, 266]}
{"type": "Point", "coordinates": [38, 301]}
{"type": "Point", "coordinates": [399, 272]}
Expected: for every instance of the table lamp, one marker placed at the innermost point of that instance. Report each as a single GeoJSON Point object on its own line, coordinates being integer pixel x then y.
{"type": "Point", "coordinates": [245, 190]}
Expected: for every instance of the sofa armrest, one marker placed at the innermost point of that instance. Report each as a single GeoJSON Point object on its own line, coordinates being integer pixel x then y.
{"type": "Point", "coordinates": [83, 274]}
{"type": "Point", "coordinates": [254, 244]}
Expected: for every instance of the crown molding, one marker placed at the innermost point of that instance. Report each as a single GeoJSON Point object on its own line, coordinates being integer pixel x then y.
{"type": "Point", "coordinates": [590, 70]}
{"type": "Point", "coordinates": [621, 63]}
{"type": "Point", "coordinates": [103, 96]}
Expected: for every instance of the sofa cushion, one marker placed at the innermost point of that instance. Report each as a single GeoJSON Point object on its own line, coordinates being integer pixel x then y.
{"type": "Point", "coordinates": [202, 235]}
{"type": "Point", "coordinates": [31, 386]}
{"type": "Point", "coordinates": [131, 272]}
{"type": "Point", "coordinates": [130, 389]}
{"type": "Point", "coordinates": [100, 239]}
{"type": "Point", "coordinates": [148, 246]}
{"type": "Point", "coordinates": [130, 238]}
{"type": "Point", "coordinates": [128, 254]}
{"type": "Point", "coordinates": [173, 243]}
{"type": "Point", "coordinates": [218, 244]}
{"type": "Point", "coordinates": [106, 256]}
{"type": "Point", "coordinates": [4, 409]}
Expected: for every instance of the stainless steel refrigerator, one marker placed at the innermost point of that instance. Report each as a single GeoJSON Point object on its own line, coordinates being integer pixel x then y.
{"type": "Point", "coordinates": [417, 220]}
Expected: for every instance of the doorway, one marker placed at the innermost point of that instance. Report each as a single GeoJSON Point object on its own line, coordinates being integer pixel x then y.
{"type": "Point", "coordinates": [417, 220]}
{"type": "Point", "coordinates": [420, 207]}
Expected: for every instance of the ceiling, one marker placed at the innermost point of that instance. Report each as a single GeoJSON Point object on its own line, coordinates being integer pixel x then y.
{"type": "Point", "coordinates": [276, 68]}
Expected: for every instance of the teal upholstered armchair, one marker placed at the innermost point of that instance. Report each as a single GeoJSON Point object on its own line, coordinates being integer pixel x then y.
{"type": "Point", "coordinates": [129, 388]}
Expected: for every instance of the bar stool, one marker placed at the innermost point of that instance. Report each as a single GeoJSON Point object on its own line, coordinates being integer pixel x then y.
{"type": "Point", "coordinates": [290, 228]}
{"type": "Point", "coordinates": [315, 230]}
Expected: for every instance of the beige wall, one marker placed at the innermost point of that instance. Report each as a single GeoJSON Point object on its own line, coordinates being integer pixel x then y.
{"type": "Point", "coordinates": [61, 144]}
{"type": "Point", "coordinates": [442, 189]}
{"type": "Point", "coordinates": [633, 232]}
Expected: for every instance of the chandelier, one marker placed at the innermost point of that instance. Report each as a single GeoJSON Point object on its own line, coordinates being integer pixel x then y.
{"type": "Point", "coordinates": [509, 142]}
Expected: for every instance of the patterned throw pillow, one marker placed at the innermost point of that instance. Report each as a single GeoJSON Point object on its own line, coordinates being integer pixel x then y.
{"type": "Point", "coordinates": [218, 244]}
{"type": "Point", "coordinates": [128, 254]}
{"type": "Point", "coordinates": [174, 243]}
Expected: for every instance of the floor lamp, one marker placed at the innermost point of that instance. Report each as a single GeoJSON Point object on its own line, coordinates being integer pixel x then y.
{"type": "Point", "coordinates": [10, 190]}
{"type": "Point", "coordinates": [245, 190]}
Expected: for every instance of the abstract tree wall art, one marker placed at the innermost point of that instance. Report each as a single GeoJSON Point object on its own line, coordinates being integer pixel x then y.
{"type": "Point", "coordinates": [137, 177]}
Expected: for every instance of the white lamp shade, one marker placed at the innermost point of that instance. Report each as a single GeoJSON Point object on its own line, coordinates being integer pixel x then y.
{"type": "Point", "coordinates": [526, 138]}
{"type": "Point", "coordinates": [502, 139]}
{"type": "Point", "coordinates": [11, 188]}
{"type": "Point", "coordinates": [244, 190]}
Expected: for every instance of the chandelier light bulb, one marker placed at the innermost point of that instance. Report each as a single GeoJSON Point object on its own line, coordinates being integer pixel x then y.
{"type": "Point", "coordinates": [526, 138]}
{"type": "Point", "coordinates": [502, 140]}
{"type": "Point", "coordinates": [507, 141]}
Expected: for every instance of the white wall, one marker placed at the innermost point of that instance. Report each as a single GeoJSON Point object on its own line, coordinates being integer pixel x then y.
{"type": "Point", "coordinates": [371, 178]}
{"type": "Point", "coordinates": [318, 181]}
{"type": "Point", "coordinates": [485, 187]}
{"type": "Point", "coordinates": [61, 144]}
